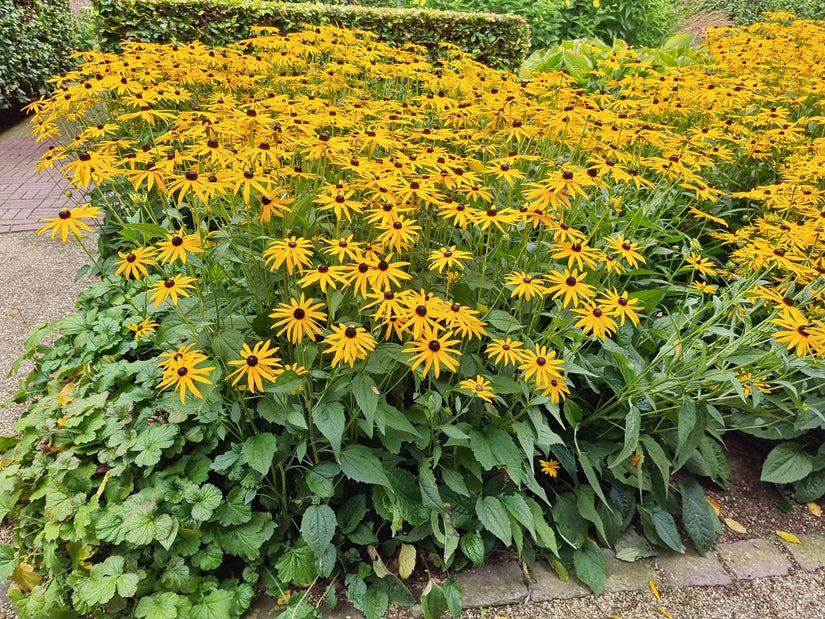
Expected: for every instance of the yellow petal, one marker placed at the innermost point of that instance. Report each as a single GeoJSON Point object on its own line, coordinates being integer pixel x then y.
{"type": "Point", "coordinates": [815, 509]}
{"type": "Point", "coordinates": [734, 525]}
{"type": "Point", "coordinates": [665, 613]}
{"type": "Point", "coordinates": [654, 590]}
{"type": "Point", "coordinates": [713, 504]}
{"type": "Point", "coordinates": [788, 537]}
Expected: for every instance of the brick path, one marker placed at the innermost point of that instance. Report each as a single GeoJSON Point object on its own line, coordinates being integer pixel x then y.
{"type": "Point", "coordinates": [25, 195]}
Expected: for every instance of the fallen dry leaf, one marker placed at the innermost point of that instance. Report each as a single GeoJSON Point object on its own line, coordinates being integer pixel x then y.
{"type": "Point", "coordinates": [714, 505]}
{"type": "Point", "coordinates": [734, 525]}
{"type": "Point", "coordinates": [815, 509]}
{"type": "Point", "coordinates": [788, 537]}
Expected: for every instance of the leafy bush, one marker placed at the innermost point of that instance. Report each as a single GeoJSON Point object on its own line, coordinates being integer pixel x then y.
{"type": "Point", "coordinates": [35, 46]}
{"type": "Point", "coordinates": [646, 22]}
{"type": "Point", "coordinates": [502, 41]}
{"type": "Point", "coordinates": [358, 311]}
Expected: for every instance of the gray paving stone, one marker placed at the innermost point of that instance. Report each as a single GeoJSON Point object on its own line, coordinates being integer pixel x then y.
{"type": "Point", "coordinates": [492, 585]}
{"type": "Point", "coordinates": [546, 586]}
{"type": "Point", "coordinates": [625, 576]}
{"type": "Point", "coordinates": [691, 570]}
{"type": "Point", "coordinates": [754, 558]}
{"type": "Point", "coordinates": [809, 552]}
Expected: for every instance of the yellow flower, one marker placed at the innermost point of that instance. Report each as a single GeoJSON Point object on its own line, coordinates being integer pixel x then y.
{"type": "Point", "coordinates": [172, 287]}
{"type": "Point", "coordinates": [349, 344]}
{"type": "Point", "coordinates": [525, 285]}
{"type": "Point", "coordinates": [550, 467]}
{"type": "Point", "coordinates": [176, 246]}
{"type": "Point", "coordinates": [596, 320]}
{"type": "Point", "coordinates": [181, 371]}
{"type": "Point", "coordinates": [434, 351]}
{"type": "Point", "coordinates": [144, 328]}
{"type": "Point", "coordinates": [256, 364]}
{"type": "Point", "coordinates": [540, 365]}
{"type": "Point", "coordinates": [294, 252]}
{"type": "Point", "coordinates": [134, 263]}
{"type": "Point", "coordinates": [448, 257]}
{"type": "Point", "coordinates": [68, 220]}
{"type": "Point", "coordinates": [479, 386]}
{"type": "Point", "coordinates": [506, 351]}
{"type": "Point", "coordinates": [299, 318]}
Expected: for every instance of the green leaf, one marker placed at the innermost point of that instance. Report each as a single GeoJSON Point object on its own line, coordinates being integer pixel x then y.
{"type": "Point", "coordinates": [321, 479]}
{"type": "Point", "coordinates": [786, 463]}
{"type": "Point", "coordinates": [248, 539]}
{"type": "Point", "coordinates": [158, 606]}
{"type": "Point", "coordinates": [570, 524]}
{"type": "Point", "coordinates": [142, 526]}
{"type": "Point", "coordinates": [433, 601]}
{"type": "Point", "coordinates": [297, 565]}
{"type": "Point", "coordinates": [665, 527]}
{"type": "Point", "coordinates": [686, 423]}
{"type": "Point", "coordinates": [366, 395]}
{"type": "Point", "coordinates": [376, 603]}
{"type": "Point", "coordinates": [472, 545]}
{"type": "Point", "coordinates": [591, 567]}
{"type": "Point", "coordinates": [453, 595]}
{"type": "Point", "coordinates": [698, 517]}
{"type": "Point", "coordinates": [360, 464]}
{"type": "Point", "coordinates": [216, 605]}
{"type": "Point", "coordinates": [317, 527]}
{"type": "Point", "coordinates": [429, 489]}
{"type": "Point", "coordinates": [8, 561]}
{"type": "Point", "coordinates": [503, 321]}
{"type": "Point", "coordinates": [205, 500]}
{"type": "Point", "coordinates": [812, 488]}
{"type": "Point", "coordinates": [330, 419]}
{"type": "Point", "coordinates": [259, 450]}
{"type": "Point", "coordinates": [234, 510]}
{"type": "Point", "coordinates": [493, 515]}
{"type": "Point", "coordinates": [632, 423]}
{"type": "Point", "coordinates": [152, 441]}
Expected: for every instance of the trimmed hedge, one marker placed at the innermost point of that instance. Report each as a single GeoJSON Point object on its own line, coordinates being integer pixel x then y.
{"type": "Point", "coordinates": [501, 41]}
{"type": "Point", "coordinates": [35, 44]}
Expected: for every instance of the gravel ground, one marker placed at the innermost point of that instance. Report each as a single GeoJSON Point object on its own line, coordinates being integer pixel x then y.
{"type": "Point", "coordinates": [37, 283]}
{"type": "Point", "coordinates": [800, 595]}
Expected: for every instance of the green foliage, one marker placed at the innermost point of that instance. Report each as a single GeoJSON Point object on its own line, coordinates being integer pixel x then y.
{"type": "Point", "coordinates": [502, 41]}
{"type": "Point", "coordinates": [36, 45]}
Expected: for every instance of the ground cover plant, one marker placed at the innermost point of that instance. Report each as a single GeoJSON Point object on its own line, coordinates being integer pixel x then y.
{"type": "Point", "coordinates": [360, 314]}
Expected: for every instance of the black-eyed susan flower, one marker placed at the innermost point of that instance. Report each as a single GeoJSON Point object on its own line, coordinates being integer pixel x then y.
{"type": "Point", "coordinates": [295, 253]}
{"type": "Point", "coordinates": [479, 387]}
{"type": "Point", "coordinates": [570, 286]}
{"type": "Point", "coordinates": [399, 235]}
{"type": "Point", "coordinates": [298, 319]}
{"type": "Point", "coordinates": [699, 263]}
{"type": "Point", "coordinates": [505, 351]}
{"type": "Point", "coordinates": [324, 275]}
{"type": "Point", "coordinates": [385, 273]}
{"type": "Point", "coordinates": [423, 312]}
{"type": "Point", "coordinates": [799, 334]}
{"type": "Point", "coordinates": [524, 285]}
{"type": "Point", "coordinates": [181, 371]}
{"type": "Point", "coordinates": [557, 389]}
{"type": "Point", "coordinates": [626, 249]}
{"type": "Point", "coordinates": [349, 344]}
{"type": "Point", "coordinates": [448, 257]}
{"type": "Point", "coordinates": [69, 220]}
{"type": "Point", "coordinates": [257, 364]}
{"type": "Point", "coordinates": [144, 328]}
{"type": "Point", "coordinates": [434, 351]}
{"type": "Point", "coordinates": [133, 263]}
{"type": "Point", "coordinates": [496, 218]}
{"type": "Point", "coordinates": [620, 305]}
{"type": "Point", "coordinates": [343, 248]}
{"type": "Point", "coordinates": [703, 286]}
{"type": "Point", "coordinates": [578, 253]}
{"type": "Point", "coordinates": [463, 321]}
{"type": "Point", "coordinates": [176, 246]}
{"type": "Point", "coordinates": [540, 365]}
{"type": "Point", "coordinates": [595, 320]}
{"type": "Point", "coordinates": [171, 287]}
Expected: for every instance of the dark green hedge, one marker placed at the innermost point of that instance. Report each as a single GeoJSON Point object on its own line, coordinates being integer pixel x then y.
{"type": "Point", "coordinates": [501, 41]}
{"type": "Point", "coordinates": [35, 43]}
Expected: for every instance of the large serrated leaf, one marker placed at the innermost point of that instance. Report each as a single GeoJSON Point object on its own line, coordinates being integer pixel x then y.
{"type": "Point", "coordinates": [318, 527]}
{"type": "Point", "coordinates": [493, 515]}
{"type": "Point", "coordinates": [259, 450]}
{"type": "Point", "coordinates": [591, 567]}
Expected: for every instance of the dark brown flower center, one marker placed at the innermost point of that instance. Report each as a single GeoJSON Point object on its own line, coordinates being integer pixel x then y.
{"type": "Point", "coordinates": [421, 310]}
{"type": "Point", "coordinates": [626, 246]}
{"type": "Point", "coordinates": [350, 332]}
{"type": "Point", "coordinates": [363, 267]}
{"type": "Point", "coordinates": [527, 280]}
{"type": "Point", "coordinates": [323, 268]}
{"type": "Point", "coordinates": [292, 244]}
{"type": "Point", "coordinates": [540, 361]}
{"type": "Point", "coordinates": [340, 199]}
{"type": "Point", "coordinates": [131, 258]}
{"type": "Point", "coordinates": [64, 214]}
{"type": "Point", "coordinates": [177, 241]}
{"type": "Point", "coordinates": [621, 301]}
{"type": "Point", "coordinates": [191, 175]}
{"type": "Point", "coordinates": [183, 371]}
{"type": "Point", "coordinates": [505, 347]}
{"type": "Point", "coordinates": [299, 313]}
{"type": "Point", "coordinates": [397, 225]}
{"type": "Point", "coordinates": [448, 254]}
{"type": "Point", "coordinates": [571, 281]}
{"type": "Point", "coordinates": [434, 345]}
{"type": "Point", "coordinates": [567, 175]}
{"type": "Point", "coordinates": [252, 361]}
{"type": "Point", "coordinates": [597, 312]}
{"type": "Point", "coordinates": [455, 307]}
{"type": "Point", "coordinates": [169, 283]}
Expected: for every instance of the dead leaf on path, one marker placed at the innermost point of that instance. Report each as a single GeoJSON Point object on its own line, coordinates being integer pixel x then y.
{"type": "Point", "coordinates": [788, 537]}
{"type": "Point", "coordinates": [734, 525]}
{"type": "Point", "coordinates": [714, 505]}
{"type": "Point", "coordinates": [815, 509]}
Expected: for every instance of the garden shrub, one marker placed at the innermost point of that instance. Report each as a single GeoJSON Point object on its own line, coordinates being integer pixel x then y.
{"type": "Point", "coordinates": [358, 312]}
{"type": "Point", "coordinates": [646, 22]}
{"type": "Point", "coordinates": [502, 41]}
{"type": "Point", "coordinates": [35, 46]}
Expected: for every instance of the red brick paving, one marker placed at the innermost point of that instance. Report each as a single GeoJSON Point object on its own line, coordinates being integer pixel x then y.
{"type": "Point", "coordinates": [25, 195]}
